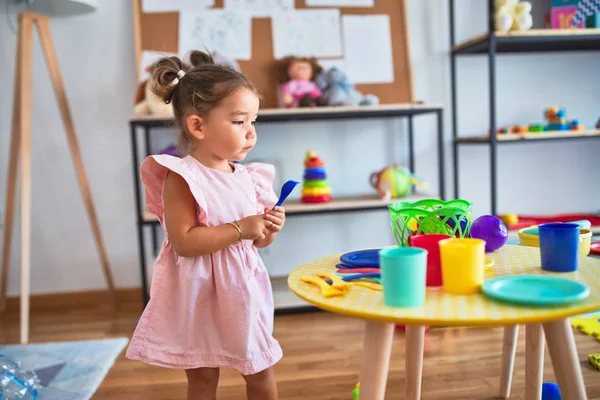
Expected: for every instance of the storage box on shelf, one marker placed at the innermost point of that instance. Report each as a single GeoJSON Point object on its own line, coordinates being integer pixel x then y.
{"type": "Point", "coordinates": [283, 299]}
{"type": "Point", "coordinates": [491, 44]}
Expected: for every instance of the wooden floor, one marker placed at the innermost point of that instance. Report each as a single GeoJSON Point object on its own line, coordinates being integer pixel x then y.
{"type": "Point", "coordinates": [321, 357]}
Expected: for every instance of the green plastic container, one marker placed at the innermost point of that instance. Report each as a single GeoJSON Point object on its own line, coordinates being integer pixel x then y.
{"type": "Point", "coordinates": [429, 216]}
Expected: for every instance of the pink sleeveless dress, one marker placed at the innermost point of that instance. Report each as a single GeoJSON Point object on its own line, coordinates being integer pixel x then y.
{"type": "Point", "coordinates": [214, 310]}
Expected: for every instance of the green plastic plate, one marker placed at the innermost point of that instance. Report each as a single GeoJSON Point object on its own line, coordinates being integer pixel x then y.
{"type": "Point", "coordinates": [539, 290]}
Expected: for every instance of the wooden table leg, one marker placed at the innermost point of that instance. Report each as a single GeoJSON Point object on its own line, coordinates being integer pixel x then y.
{"type": "Point", "coordinates": [375, 363]}
{"type": "Point", "coordinates": [415, 343]}
{"type": "Point", "coordinates": [509, 347]}
{"type": "Point", "coordinates": [565, 361]}
{"type": "Point", "coordinates": [534, 361]}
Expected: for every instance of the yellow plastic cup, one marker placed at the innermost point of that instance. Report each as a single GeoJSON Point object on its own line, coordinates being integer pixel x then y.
{"type": "Point", "coordinates": [463, 265]}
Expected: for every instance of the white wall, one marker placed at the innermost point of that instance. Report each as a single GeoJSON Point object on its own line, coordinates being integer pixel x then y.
{"type": "Point", "coordinates": [100, 82]}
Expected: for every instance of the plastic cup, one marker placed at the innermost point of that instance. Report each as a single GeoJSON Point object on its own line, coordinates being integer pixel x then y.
{"type": "Point", "coordinates": [403, 271]}
{"type": "Point", "coordinates": [431, 243]}
{"type": "Point", "coordinates": [463, 261]}
{"type": "Point", "coordinates": [559, 246]}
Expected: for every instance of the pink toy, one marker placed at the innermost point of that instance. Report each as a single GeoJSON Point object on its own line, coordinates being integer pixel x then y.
{"type": "Point", "coordinates": [492, 230]}
{"type": "Point", "coordinates": [299, 88]}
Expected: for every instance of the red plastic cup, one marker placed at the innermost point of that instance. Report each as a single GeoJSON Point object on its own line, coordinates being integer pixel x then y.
{"type": "Point", "coordinates": [434, 264]}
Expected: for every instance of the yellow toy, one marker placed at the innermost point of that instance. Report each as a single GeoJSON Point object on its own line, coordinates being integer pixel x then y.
{"type": "Point", "coordinates": [513, 15]}
{"type": "Point", "coordinates": [594, 359]}
{"type": "Point", "coordinates": [588, 325]}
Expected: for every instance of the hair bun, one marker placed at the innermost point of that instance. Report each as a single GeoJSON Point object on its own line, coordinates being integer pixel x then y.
{"type": "Point", "coordinates": [163, 73]}
{"type": "Point", "coordinates": [198, 58]}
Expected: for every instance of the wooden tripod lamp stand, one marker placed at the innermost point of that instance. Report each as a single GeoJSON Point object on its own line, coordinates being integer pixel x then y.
{"type": "Point", "coordinates": [20, 154]}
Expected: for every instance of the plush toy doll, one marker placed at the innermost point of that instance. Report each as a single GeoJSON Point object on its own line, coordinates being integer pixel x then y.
{"type": "Point", "coordinates": [297, 78]}
{"type": "Point", "coordinates": [513, 15]}
{"type": "Point", "coordinates": [147, 103]}
{"type": "Point", "coordinates": [339, 91]}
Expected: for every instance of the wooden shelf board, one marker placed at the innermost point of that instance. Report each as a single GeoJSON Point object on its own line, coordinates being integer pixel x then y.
{"type": "Point", "coordinates": [513, 137]}
{"type": "Point", "coordinates": [337, 204]}
{"type": "Point", "coordinates": [533, 40]}
{"type": "Point", "coordinates": [282, 114]}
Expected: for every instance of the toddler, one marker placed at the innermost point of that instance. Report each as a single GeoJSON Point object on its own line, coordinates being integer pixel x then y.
{"type": "Point", "coordinates": [211, 304]}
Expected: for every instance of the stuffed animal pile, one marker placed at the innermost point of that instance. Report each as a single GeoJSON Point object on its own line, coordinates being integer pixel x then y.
{"type": "Point", "coordinates": [512, 15]}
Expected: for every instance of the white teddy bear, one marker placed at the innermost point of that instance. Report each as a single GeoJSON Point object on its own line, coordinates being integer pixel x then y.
{"type": "Point", "coordinates": [513, 15]}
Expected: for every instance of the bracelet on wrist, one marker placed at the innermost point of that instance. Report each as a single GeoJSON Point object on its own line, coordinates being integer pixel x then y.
{"type": "Point", "coordinates": [239, 229]}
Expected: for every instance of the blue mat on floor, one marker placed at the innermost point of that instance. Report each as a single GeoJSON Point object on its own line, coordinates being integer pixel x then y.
{"type": "Point", "coordinates": [68, 370]}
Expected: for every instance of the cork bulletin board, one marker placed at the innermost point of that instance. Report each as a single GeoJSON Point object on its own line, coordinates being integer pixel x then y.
{"type": "Point", "coordinates": [159, 32]}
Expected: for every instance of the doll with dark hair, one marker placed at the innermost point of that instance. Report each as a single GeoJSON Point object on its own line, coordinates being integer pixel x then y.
{"type": "Point", "coordinates": [297, 78]}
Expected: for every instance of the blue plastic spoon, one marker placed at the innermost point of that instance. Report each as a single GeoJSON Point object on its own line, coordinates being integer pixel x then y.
{"type": "Point", "coordinates": [286, 189]}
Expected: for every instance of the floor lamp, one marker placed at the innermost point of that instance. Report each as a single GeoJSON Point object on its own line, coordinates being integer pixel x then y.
{"type": "Point", "coordinates": [20, 153]}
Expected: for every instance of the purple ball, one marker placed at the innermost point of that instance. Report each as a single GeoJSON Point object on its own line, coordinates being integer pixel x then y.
{"type": "Point", "coordinates": [492, 230]}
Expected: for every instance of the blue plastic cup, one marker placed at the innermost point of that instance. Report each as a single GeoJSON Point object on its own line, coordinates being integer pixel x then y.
{"type": "Point", "coordinates": [559, 246]}
{"type": "Point", "coordinates": [403, 276]}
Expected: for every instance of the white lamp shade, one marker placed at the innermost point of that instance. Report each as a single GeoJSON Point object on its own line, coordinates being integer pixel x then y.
{"type": "Point", "coordinates": [64, 7]}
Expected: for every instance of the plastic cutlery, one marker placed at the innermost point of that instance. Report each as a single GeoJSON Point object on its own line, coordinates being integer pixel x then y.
{"type": "Point", "coordinates": [286, 189]}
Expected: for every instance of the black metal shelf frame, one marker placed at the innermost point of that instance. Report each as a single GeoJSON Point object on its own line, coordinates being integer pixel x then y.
{"type": "Point", "coordinates": [491, 45]}
{"type": "Point", "coordinates": [145, 125]}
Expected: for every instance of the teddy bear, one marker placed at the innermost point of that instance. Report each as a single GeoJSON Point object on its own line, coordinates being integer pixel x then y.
{"type": "Point", "coordinates": [337, 90]}
{"type": "Point", "coordinates": [512, 15]}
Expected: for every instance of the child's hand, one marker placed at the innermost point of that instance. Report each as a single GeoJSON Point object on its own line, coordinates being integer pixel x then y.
{"type": "Point", "coordinates": [254, 227]}
{"type": "Point", "coordinates": [276, 218]}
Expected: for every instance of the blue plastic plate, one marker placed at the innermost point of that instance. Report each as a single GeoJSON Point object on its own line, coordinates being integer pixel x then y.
{"type": "Point", "coordinates": [539, 290]}
{"type": "Point", "coordinates": [362, 258]}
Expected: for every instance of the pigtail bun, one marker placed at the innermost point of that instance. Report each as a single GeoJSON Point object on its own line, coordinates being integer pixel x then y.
{"type": "Point", "coordinates": [199, 58]}
{"type": "Point", "coordinates": [163, 73]}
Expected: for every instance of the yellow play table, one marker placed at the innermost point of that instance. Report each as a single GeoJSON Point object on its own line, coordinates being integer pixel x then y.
{"type": "Point", "coordinates": [441, 309]}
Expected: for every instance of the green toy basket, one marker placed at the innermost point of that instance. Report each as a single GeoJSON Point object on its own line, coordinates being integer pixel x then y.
{"type": "Point", "coordinates": [429, 216]}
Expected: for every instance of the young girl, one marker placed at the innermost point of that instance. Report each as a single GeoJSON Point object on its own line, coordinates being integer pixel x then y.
{"type": "Point", "coordinates": [211, 304]}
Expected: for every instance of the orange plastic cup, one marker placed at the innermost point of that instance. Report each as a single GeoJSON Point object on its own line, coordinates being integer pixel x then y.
{"type": "Point", "coordinates": [463, 261]}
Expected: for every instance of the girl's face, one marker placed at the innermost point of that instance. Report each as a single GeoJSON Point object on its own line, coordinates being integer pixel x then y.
{"type": "Point", "coordinates": [227, 132]}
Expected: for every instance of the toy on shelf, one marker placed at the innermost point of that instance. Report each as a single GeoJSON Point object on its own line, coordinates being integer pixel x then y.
{"type": "Point", "coordinates": [490, 229]}
{"type": "Point", "coordinates": [147, 103]}
{"type": "Point", "coordinates": [569, 14]}
{"type": "Point", "coordinates": [557, 121]}
{"type": "Point", "coordinates": [315, 188]}
{"type": "Point", "coordinates": [513, 15]}
{"type": "Point", "coordinates": [297, 78]}
{"type": "Point", "coordinates": [337, 90]}
{"type": "Point", "coordinates": [395, 181]}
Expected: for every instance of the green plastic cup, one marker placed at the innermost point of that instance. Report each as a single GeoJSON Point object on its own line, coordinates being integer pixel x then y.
{"type": "Point", "coordinates": [403, 276]}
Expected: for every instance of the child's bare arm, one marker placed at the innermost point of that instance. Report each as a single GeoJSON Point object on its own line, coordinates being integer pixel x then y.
{"type": "Point", "coordinates": [188, 239]}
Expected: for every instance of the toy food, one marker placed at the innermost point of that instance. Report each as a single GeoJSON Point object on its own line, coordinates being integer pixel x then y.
{"type": "Point", "coordinates": [297, 78]}
{"type": "Point", "coordinates": [315, 188]}
{"type": "Point", "coordinates": [394, 181]}
{"type": "Point", "coordinates": [513, 15]}
{"type": "Point", "coordinates": [490, 229]}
